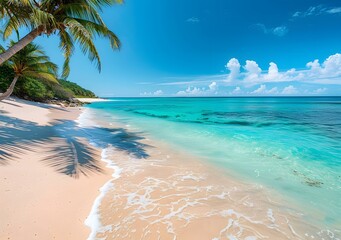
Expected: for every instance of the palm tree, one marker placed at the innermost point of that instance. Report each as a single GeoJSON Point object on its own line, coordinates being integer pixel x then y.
{"type": "Point", "coordinates": [30, 62]}
{"type": "Point", "coordinates": [72, 20]}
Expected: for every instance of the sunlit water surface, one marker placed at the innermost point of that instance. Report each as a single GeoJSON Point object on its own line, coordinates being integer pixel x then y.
{"type": "Point", "coordinates": [289, 145]}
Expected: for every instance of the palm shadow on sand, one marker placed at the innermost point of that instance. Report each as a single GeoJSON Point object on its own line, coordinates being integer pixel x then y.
{"type": "Point", "coordinates": [65, 144]}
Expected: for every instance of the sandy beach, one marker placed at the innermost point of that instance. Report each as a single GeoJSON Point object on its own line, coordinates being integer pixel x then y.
{"type": "Point", "coordinates": [41, 199]}
{"type": "Point", "coordinates": [155, 120]}
{"type": "Point", "coordinates": [56, 185]}
{"type": "Point", "coordinates": [92, 100]}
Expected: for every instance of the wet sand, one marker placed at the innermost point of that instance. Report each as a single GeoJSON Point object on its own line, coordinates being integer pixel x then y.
{"type": "Point", "coordinates": [51, 176]}
{"type": "Point", "coordinates": [161, 193]}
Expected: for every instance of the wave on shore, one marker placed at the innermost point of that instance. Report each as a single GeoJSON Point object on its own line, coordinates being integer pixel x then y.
{"type": "Point", "coordinates": [169, 195]}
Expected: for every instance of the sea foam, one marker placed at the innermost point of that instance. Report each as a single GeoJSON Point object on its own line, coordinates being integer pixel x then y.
{"type": "Point", "coordinates": [93, 220]}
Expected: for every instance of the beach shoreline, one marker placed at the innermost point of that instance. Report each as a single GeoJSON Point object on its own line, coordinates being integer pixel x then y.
{"type": "Point", "coordinates": [92, 100]}
{"type": "Point", "coordinates": [40, 200]}
{"type": "Point", "coordinates": [161, 189]}
{"type": "Point", "coordinates": [123, 183]}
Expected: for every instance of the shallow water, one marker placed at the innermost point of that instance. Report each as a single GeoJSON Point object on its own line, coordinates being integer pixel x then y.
{"type": "Point", "coordinates": [290, 146]}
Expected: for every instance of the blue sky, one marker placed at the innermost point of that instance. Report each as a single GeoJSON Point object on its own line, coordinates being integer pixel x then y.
{"type": "Point", "coordinates": [215, 48]}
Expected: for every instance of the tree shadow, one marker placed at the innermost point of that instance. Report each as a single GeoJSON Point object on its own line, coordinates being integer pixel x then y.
{"type": "Point", "coordinates": [13, 101]}
{"type": "Point", "coordinates": [48, 106]}
{"type": "Point", "coordinates": [3, 112]}
{"type": "Point", "coordinates": [8, 102]}
{"type": "Point", "coordinates": [65, 144]}
{"type": "Point", "coordinates": [73, 157]}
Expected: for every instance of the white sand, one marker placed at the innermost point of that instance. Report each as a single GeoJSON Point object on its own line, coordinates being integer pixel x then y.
{"type": "Point", "coordinates": [91, 100]}
{"type": "Point", "coordinates": [38, 202]}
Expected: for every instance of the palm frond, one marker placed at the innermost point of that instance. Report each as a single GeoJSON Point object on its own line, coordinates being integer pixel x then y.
{"type": "Point", "coordinates": [31, 62]}
{"type": "Point", "coordinates": [73, 20]}
{"type": "Point", "coordinates": [85, 40]}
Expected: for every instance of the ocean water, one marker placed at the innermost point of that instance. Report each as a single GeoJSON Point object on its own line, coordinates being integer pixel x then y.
{"type": "Point", "coordinates": [289, 145]}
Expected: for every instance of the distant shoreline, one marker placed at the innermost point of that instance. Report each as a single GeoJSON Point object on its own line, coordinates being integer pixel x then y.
{"type": "Point", "coordinates": [139, 97]}
{"type": "Point", "coordinates": [92, 100]}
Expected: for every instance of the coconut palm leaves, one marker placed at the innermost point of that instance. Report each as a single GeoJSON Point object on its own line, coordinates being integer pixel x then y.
{"type": "Point", "coordinates": [74, 21]}
{"type": "Point", "coordinates": [30, 62]}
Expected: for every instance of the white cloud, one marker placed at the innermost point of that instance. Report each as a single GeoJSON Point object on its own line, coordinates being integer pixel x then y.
{"type": "Point", "coordinates": [332, 65]}
{"type": "Point", "coordinates": [289, 90]}
{"type": "Point", "coordinates": [253, 71]}
{"type": "Point", "coordinates": [234, 67]}
{"type": "Point", "coordinates": [237, 90]}
{"type": "Point", "coordinates": [199, 91]}
{"type": "Point", "coordinates": [279, 31]}
{"type": "Point", "coordinates": [243, 77]}
{"type": "Point", "coordinates": [329, 72]}
{"type": "Point", "coordinates": [145, 94]}
{"type": "Point", "coordinates": [262, 90]}
{"type": "Point", "coordinates": [334, 10]}
{"type": "Point", "coordinates": [273, 72]}
{"type": "Point", "coordinates": [193, 20]}
{"type": "Point", "coordinates": [213, 86]}
{"type": "Point", "coordinates": [316, 11]}
{"type": "Point", "coordinates": [158, 93]}
{"type": "Point", "coordinates": [273, 90]}
{"type": "Point", "coordinates": [314, 65]}
{"type": "Point", "coordinates": [320, 90]}
{"type": "Point", "coordinates": [192, 91]}
{"type": "Point", "coordinates": [309, 12]}
{"type": "Point", "coordinates": [252, 67]}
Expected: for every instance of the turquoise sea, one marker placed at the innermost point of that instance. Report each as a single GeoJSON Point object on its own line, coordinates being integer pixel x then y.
{"type": "Point", "coordinates": [291, 145]}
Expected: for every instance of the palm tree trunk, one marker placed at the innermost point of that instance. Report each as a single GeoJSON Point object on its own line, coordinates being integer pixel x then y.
{"type": "Point", "coordinates": [20, 44]}
{"type": "Point", "coordinates": [10, 89]}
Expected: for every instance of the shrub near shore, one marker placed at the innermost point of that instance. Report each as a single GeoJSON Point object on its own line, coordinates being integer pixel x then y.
{"type": "Point", "coordinates": [34, 90]}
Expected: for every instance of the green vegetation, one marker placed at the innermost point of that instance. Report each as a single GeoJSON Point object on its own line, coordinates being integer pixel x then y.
{"type": "Point", "coordinates": [35, 90]}
{"type": "Point", "coordinates": [75, 22]}
{"type": "Point", "coordinates": [76, 90]}
{"type": "Point", "coordinates": [30, 63]}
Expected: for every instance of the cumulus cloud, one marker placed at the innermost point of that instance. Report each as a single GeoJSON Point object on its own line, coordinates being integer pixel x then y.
{"type": "Point", "coordinates": [327, 72]}
{"type": "Point", "coordinates": [199, 91]}
{"type": "Point", "coordinates": [192, 91]}
{"type": "Point", "coordinates": [320, 90]}
{"type": "Point", "coordinates": [273, 72]}
{"type": "Point", "coordinates": [158, 93]}
{"type": "Point", "coordinates": [234, 67]}
{"type": "Point", "coordinates": [237, 90]}
{"type": "Point", "coordinates": [148, 94]}
{"type": "Point", "coordinates": [253, 71]}
{"type": "Point", "coordinates": [290, 90]}
{"type": "Point", "coordinates": [245, 76]}
{"type": "Point", "coordinates": [262, 90]}
{"type": "Point", "coordinates": [213, 86]}
{"type": "Point", "coordinates": [273, 90]}
{"type": "Point", "coordinates": [259, 90]}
